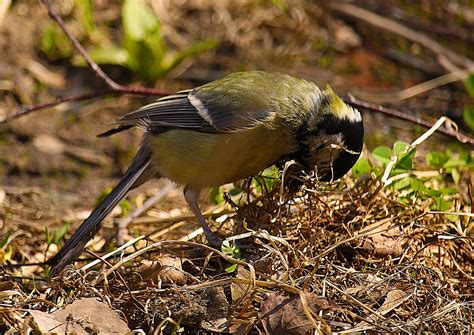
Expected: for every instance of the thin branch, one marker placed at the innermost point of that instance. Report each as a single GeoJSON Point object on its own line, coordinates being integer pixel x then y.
{"type": "Point", "coordinates": [446, 57]}
{"type": "Point", "coordinates": [93, 65]}
{"type": "Point", "coordinates": [417, 89]}
{"type": "Point", "coordinates": [407, 117]}
{"type": "Point", "coordinates": [73, 98]}
{"type": "Point", "coordinates": [115, 88]}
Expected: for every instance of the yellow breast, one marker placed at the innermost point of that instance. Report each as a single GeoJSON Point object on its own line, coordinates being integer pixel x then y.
{"type": "Point", "coordinates": [202, 160]}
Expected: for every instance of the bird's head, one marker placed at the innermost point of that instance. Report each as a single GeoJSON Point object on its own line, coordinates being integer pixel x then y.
{"type": "Point", "coordinates": [331, 140]}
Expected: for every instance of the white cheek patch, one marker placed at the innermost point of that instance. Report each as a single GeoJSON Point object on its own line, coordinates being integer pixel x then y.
{"type": "Point", "coordinates": [351, 114]}
{"type": "Point", "coordinates": [202, 110]}
{"type": "Point", "coordinates": [355, 116]}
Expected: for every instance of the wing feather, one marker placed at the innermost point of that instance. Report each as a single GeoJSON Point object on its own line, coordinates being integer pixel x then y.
{"type": "Point", "coordinates": [213, 107]}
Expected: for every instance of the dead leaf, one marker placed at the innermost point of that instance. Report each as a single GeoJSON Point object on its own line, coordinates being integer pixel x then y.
{"type": "Point", "coordinates": [384, 240]}
{"type": "Point", "coordinates": [394, 299]}
{"type": "Point", "coordinates": [242, 325]}
{"type": "Point", "coordinates": [167, 268]}
{"type": "Point", "coordinates": [239, 290]}
{"type": "Point", "coordinates": [87, 156]}
{"type": "Point", "coordinates": [84, 316]}
{"type": "Point", "coordinates": [345, 38]}
{"type": "Point", "coordinates": [381, 245]}
{"type": "Point", "coordinates": [283, 314]}
{"type": "Point", "coordinates": [217, 308]}
{"type": "Point", "coordinates": [48, 144]}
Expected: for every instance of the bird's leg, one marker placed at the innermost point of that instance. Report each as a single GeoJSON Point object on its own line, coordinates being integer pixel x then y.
{"type": "Point", "coordinates": [191, 197]}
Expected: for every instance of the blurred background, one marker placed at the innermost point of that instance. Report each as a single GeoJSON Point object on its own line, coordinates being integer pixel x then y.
{"type": "Point", "coordinates": [52, 166]}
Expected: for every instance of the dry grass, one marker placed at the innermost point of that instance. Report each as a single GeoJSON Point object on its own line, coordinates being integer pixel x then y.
{"type": "Point", "coordinates": [375, 263]}
{"type": "Point", "coordinates": [343, 258]}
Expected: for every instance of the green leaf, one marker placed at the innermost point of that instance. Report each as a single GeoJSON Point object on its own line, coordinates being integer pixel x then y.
{"type": "Point", "coordinates": [146, 56]}
{"type": "Point", "coordinates": [455, 175]}
{"type": "Point", "coordinates": [402, 184]}
{"type": "Point", "coordinates": [399, 146]}
{"type": "Point", "coordinates": [382, 154]}
{"type": "Point", "coordinates": [111, 55]}
{"type": "Point", "coordinates": [5, 239]}
{"type": "Point", "coordinates": [436, 159]}
{"type": "Point", "coordinates": [281, 5]}
{"type": "Point", "coordinates": [455, 162]}
{"type": "Point", "coordinates": [198, 48]}
{"type": "Point", "coordinates": [449, 191]}
{"type": "Point", "coordinates": [441, 204]}
{"type": "Point", "coordinates": [138, 21]}
{"type": "Point", "coordinates": [267, 180]}
{"type": "Point", "coordinates": [231, 249]}
{"type": "Point", "coordinates": [7, 256]}
{"type": "Point", "coordinates": [433, 193]}
{"type": "Point", "coordinates": [361, 167]}
{"type": "Point", "coordinates": [468, 116]}
{"type": "Point", "coordinates": [234, 191]}
{"type": "Point", "coordinates": [125, 206]}
{"type": "Point", "coordinates": [54, 43]}
{"type": "Point", "coordinates": [469, 83]}
{"type": "Point", "coordinates": [217, 195]}
{"type": "Point", "coordinates": [231, 268]}
{"type": "Point", "coordinates": [59, 234]}
{"type": "Point", "coordinates": [405, 161]}
{"type": "Point", "coordinates": [86, 17]}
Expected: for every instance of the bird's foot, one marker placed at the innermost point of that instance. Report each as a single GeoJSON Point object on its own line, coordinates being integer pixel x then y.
{"type": "Point", "coordinates": [213, 240]}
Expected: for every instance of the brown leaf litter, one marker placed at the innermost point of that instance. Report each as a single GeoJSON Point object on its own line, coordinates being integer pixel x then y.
{"type": "Point", "coordinates": [339, 258]}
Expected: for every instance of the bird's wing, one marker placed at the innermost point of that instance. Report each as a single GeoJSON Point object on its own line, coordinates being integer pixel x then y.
{"type": "Point", "coordinates": [237, 101]}
{"type": "Point", "coordinates": [197, 110]}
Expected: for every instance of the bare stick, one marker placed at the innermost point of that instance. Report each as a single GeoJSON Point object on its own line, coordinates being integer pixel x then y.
{"type": "Point", "coordinates": [385, 178]}
{"type": "Point", "coordinates": [115, 88]}
{"type": "Point", "coordinates": [407, 117]}
{"type": "Point", "coordinates": [446, 57]}
{"type": "Point", "coordinates": [72, 98]}
{"type": "Point", "coordinates": [93, 65]}
{"type": "Point", "coordinates": [417, 89]}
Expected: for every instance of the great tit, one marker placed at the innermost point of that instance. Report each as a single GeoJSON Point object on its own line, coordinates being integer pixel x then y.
{"type": "Point", "coordinates": [227, 130]}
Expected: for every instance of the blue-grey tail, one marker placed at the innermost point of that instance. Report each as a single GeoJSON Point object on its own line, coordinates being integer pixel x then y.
{"type": "Point", "coordinates": [75, 245]}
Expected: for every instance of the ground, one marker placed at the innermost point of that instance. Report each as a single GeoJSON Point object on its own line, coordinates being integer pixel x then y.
{"type": "Point", "coordinates": [352, 256]}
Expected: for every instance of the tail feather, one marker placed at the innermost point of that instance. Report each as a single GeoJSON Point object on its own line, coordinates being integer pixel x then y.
{"type": "Point", "coordinates": [75, 245]}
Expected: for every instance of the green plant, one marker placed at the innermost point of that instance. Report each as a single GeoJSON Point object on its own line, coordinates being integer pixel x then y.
{"type": "Point", "coordinates": [6, 250]}
{"type": "Point", "coordinates": [142, 50]}
{"type": "Point", "coordinates": [233, 251]}
{"type": "Point", "coordinates": [124, 205]}
{"type": "Point", "coordinates": [267, 180]}
{"type": "Point", "coordinates": [413, 184]}
{"type": "Point", "coordinates": [55, 236]}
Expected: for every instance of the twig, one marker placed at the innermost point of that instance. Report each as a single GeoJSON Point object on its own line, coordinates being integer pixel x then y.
{"type": "Point", "coordinates": [417, 89]}
{"type": "Point", "coordinates": [386, 175]}
{"type": "Point", "coordinates": [115, 88]}
{"type": "Point", "coordinates": [407, 117]}
{"type": "Point", "coordinates": [124, 222]}
{"type": "Point", "coordinates": [73, 98]}
{"type": "Point", "coordinates": [93, 65]}
{"type": "Point", "coordinates": [446, 57]}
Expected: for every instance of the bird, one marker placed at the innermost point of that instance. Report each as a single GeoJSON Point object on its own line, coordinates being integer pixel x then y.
{"type": "Point", "coordinates": [227, 130]}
